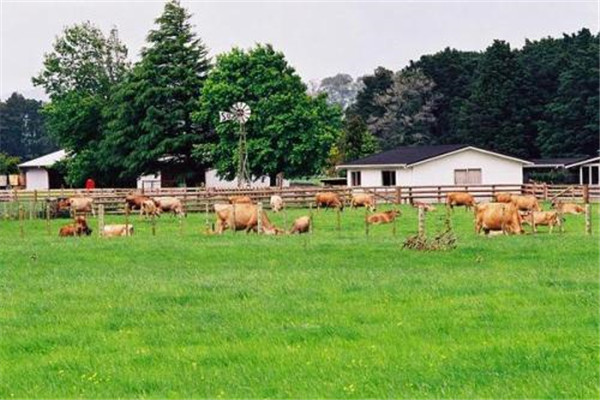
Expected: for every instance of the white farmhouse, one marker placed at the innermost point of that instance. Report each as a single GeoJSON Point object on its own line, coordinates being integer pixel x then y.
{"type": "Point", "coordinates": [436, 166]}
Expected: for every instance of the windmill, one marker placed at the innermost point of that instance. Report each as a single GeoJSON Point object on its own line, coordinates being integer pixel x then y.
{"type": "Point", "coordinates": [239, 112]}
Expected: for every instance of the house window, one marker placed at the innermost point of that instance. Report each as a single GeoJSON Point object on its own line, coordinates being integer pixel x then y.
{"type": "Point", "coordinates": [388, 178]}
{"type": "Point", "coordinates": [471, 176]}
{"type": "Point", "coordinates": [355, 178]}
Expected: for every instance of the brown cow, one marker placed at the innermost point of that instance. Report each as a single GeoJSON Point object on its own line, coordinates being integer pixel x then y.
{"type": "Point", "coordinates": [425, 206]}
{"type": "Point", "coordinates": [526, 203]}
{"type": "Point", "coordinates": [383, 217]}
{"type": "Point", "coordinates": [242, 217]}
{"type": "Point", "coordinates": [363, 200]}
{"type": "Point", "coordinates": [568, 208]}
{"type": "Point", "coordinates": [301, 225]}
{"type": "Point", "coordinates": [77, 204]}
{"type": "Point", "coordinates": [149, 208]}
{"type": "Point", "coordinates": [460, 199]}
{"type": "Point", "coordinates": [173, 204]}
{"type": "Point", "coordinates": [548, 218]}
{"type": "Point", "coordinates": [240, 200]}
{"type": "Point", "coordinates": [497, 217]}
{"type": "Point", "coordinates": [135, 201]}
{"type": "Point", "coordinates": [79, 228]}
{"type": "Point", "coordinates": [329, 199]}
{"type": "Point", "coordinates": [117, 230]}
{"type": "Point", "coordinates": [502, 197]}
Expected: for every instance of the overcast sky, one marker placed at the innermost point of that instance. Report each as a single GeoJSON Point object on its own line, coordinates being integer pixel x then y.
{"type": "Point", "coordinates": [319, 39]}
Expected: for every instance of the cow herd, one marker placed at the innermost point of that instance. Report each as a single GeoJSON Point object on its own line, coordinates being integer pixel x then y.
{"type": "Point", "coordinates": [507, 213]}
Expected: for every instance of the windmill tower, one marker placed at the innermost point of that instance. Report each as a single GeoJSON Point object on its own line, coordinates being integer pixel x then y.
{"type": "Point", "coordinates": [240, 113]}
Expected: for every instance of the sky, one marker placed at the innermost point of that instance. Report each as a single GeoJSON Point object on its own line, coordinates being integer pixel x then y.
{"type": "Point", "coordinates": [319, 39]}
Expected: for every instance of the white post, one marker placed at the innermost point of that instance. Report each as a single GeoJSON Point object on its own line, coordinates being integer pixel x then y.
{"type": "Point", "coordinates": [581, 175]}
{"type": "Point", "coordinates": [590, 175]}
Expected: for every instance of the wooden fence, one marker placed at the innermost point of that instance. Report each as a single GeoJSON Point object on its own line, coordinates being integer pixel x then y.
{"type": "Point", "coordinates": [197, 199]}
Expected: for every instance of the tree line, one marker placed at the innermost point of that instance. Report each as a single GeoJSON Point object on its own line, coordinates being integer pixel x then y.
{"type": "Point", "coordinates": [119, 119]}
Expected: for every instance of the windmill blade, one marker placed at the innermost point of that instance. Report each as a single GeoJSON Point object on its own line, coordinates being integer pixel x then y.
{"type": "Point", "coordinates": [241, 111]}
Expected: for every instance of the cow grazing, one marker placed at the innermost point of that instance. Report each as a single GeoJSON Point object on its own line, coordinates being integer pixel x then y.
{"type": "Point", "coordinates": [568, 208]}
{"type": "Point", "coordinates": [383, 217]}
{"type": "Point", "coordinates": [460, 199]}
{"type": "Point", "coordinates": [276, 203]}
{"type": "Point", "coordinates": [363, 200]}
{"type": "Point", "coordinates": [240, 200]}
{"type": "Point", "coordinates": [242, 217]}
{"type": "Point", "coordinates": [135, 201]}
{"type": "Point", "coordinates": [117, 230]}
{"type": "Point", "coordinates": [502, 217]}
{"type": "Point", "coordinates": [77, 205]}
{"type": "Point", "coordinates": [170, 204]}
{"type": "Point", "coordinates": [547, 218]}
{"type": "Point", "coordinates": [502, 197]}
{"type": "Point", "coordinates": [149, 208]}
{"type": "Point", "coordinates": [329, 199]}
{"type": "Point", "coordinates": [526, 203]}
{"type": "Point", "coordinates": [79, 228]}
{"type": "Point", "coordinates": [425, 206]}
{"type": "Point", "coordinates": [301, 225]}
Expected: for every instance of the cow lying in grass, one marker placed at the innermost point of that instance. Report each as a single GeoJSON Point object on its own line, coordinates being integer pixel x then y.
{"type": "Point", "coordinates": [78, 229]}
{"type": "Point", "coordinates": [301, 225]}
{"type": "Point", "coordinates": [117, 230]}
{"type": "Point", "coordinates": [568, 208]}
{"type": "Point", "coordinates": [383, 217]}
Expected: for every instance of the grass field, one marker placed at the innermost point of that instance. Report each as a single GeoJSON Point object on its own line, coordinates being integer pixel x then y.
{"type": "Point", "coordinates": [332, 315]}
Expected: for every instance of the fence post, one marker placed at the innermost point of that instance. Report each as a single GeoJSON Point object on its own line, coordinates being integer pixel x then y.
{"type": "Point", "coordinates": [126, 218]}
{"type": "Point", "coordinates": [48, 218]}
{"type": "Point", "coordinates": [206, 215]}
{"type": "Point", "coordinates": [366, 222]}
{"type": "Point", "coordinates": [398, 195]}
{"type": "Point", "coordinates": [545, 191]}
{"type": "Point", "coordinates": [410, 198]}
{"type": "Point", "coordinates": [101, 220]}
{"type": "Point", "coordinates": [339, 222]}
{"type": "Point", "coordinates": [588, 219]}
{"type": "Point", "coordinates": [153, 222]}
{"type": "Point", "coordinates": [310, 218]}
{"type": "Point", "coordinates": [439, 194]}
{"type": "Point", "coordinates": [586, 194]}
{"type": "Point", "coordinates": [21, 218]}
{"type": "Point", "coordinates": [35, 201]}
{"type": "Point", "coordinates": [259, 210]}
{"type": "Point", "coordinates": [421, 232]}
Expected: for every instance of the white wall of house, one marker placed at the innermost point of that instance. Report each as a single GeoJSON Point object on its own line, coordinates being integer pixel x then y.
{"type": "Point", "coordinates": [151, 181]}
{"type": "Point", "coordinates": [36, 179]}
{"type": "Point", "coordinates": [440, 171]}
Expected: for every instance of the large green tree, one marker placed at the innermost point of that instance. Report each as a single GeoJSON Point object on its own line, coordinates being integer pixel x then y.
{"type": "Point", "coordinates": [22, 131]}
{"type": "Point", "coordinates": [150, 127]}
{"type": "Point", "coordinates": [79, 76]}
{"type": "Point", "coordinates": [289, 132]}
{"type": "Point", "coordinates": [356, 141]}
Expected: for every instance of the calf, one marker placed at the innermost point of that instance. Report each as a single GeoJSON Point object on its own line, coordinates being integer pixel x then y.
{"type": "Point", "coordinates": [301, 225]}
{"type": "Point", "coordinates": [117, 230]}
{"type": "Point", "coordinates": [363, 200]}
{"type": "Point", "coordinates": [460, 199]}
{"type": "Point", "coordinates": [383, 217]}
{"type": "Point", "coordinates": [329, 199]}
{"type": "Point", "coordinates": [276, 203]}
{"type": "Point", "coordinates": [548, 218]}
{"type": "Point", "coordinates": [425, 206]}
{"type": "Point", "coordinates": [568, 208]}
{"type": "Point", "coordinates": [149, 208]}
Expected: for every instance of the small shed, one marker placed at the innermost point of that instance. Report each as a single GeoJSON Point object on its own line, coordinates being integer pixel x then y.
{"type": "Point", "coordinates": [438, 165]}
{"type": "Point", "coordinates": [587, 170]}
{"type": "Point", "coordinates": [39, 174]}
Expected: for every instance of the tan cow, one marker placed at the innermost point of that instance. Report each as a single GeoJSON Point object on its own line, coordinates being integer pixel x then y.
{"type": "Point", "coordinates": [502, 197]}
{"type": "Point", "coordinates": [502, 217]}
{"type": "Point", "coordinates": [301, 225]}
{"type": "Point", "coordinates": [525, 203]}
{"type": "Point", "coordinates": [383, 217]}
{"type": "Point", "coordinates": [329, 199]}
{"type": "Point", "coordinates": [79, 228]}
{"type": "Point", "coordinates": [547, 218]}
{"type": "Point", "coordinates": [242, 217]}
{"type": "Point", "coordinates": [135, 201]}
{"type": "Point", "coordinates": [170, 204]}
{"type": "Point", "coordinates": [276, 203]}
{"type": "Point", "coordinates": [240, 200]}
{"type": "Point", "coordinates": [568, 208]}
{"type": "Point", "coordinates": [117, 230]}
{"type": "Point", "coordinates": [149, 208]}
{"type": "Point", "coordinates": [77, 204]}
{"type": "Point", "coordinates": [363, 200]}
{"type": "Point", "coordinates": [460, 199]}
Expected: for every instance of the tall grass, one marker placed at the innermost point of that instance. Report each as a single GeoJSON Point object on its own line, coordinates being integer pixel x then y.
{"type": "Point", "coordinates": [330, 315]}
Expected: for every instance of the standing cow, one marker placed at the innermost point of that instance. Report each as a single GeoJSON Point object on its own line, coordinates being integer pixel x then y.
{"type": "Point", "coordinates": [363, 200]}
{"type": "Point", "coordinates": [526, 203]}
{"type": "Point", "coordinates": [329, 199]}
{"type": "Point", "coordinates": [502, 217]}
{"type": "Point", "coordinates": [77, 205]}
{"type": "Point", "coordinates": [242, 217]}
{"type": "Point", "coordinates": [276, 203]}
{"type": "Point", "coordinates": [170, 204]}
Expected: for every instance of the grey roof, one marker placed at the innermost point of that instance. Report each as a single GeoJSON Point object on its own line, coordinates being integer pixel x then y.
{"type": "Point", "coordinates": [555, 162]}
{"type": "Point", "coordinates": [406, 155]}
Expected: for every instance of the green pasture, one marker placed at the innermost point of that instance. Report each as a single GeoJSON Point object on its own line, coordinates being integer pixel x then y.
{"type": "Point", "coordinates": [334, 314]}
